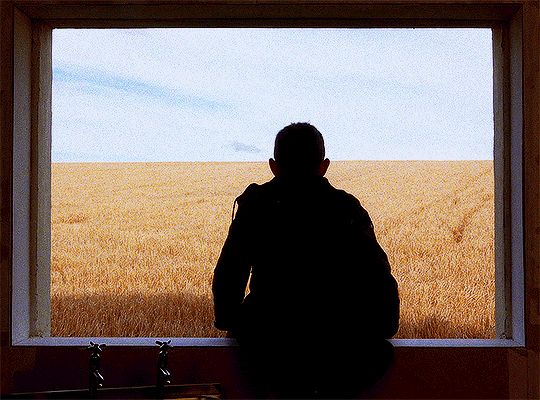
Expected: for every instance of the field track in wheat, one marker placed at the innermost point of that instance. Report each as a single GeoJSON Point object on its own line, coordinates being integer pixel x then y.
{"type": "Point", "coordinates": [134, 244]}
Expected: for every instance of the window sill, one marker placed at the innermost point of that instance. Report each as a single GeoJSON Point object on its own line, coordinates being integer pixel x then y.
{"type": "Point", "coordinates": [226, 342]}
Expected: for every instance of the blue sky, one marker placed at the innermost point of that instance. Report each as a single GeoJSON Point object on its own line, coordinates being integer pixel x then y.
{"type": "Point", "coordinates": [223, 94]}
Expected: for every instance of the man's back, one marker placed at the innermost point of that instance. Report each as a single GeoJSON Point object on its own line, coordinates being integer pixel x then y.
{"type": "Point", "coordinates": [315, 265]}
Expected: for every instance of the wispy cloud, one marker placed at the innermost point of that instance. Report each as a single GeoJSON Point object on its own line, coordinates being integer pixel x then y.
{"type": "Point", "coordinates": [101, 79]}
{"type": "Point", "coordinates": [245, 148]}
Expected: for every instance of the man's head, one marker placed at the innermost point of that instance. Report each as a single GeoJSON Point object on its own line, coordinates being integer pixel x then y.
{"type": "Point", "coordinates": [299, 152]}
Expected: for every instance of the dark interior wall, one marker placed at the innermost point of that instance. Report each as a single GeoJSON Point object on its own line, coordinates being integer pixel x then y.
{"type": "Point", "coordinates": [419, 372]}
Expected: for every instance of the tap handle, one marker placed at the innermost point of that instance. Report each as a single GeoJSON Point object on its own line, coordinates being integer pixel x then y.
{"type": "Point", "coordinates": [96, 348]}
{"type": "Point", "coordinates": [163, 351]}
{"type": "Point", "coordinates": [164, 345]}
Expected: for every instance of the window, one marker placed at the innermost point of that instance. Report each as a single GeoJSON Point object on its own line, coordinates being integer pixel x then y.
{"type": "Point", "coordinates": [507, 167]}
{"type": "Point", "coordinates": [483, 368]}
{"type": "Point", "coordinates": [407, 116]}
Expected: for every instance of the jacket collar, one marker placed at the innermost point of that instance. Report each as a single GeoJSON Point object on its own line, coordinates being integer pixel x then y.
{"type": "Point", "coordinates": [300, 185]}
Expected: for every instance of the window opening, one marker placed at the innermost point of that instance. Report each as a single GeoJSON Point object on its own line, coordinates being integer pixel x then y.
{"type": "Point", "coordinates": [156, 131]}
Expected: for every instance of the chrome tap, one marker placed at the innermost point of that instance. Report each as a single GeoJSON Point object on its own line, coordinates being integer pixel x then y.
{"type": "Point", "coordinates": [94, 375]}
{"type": "Point", "coordinates": [163, 373]}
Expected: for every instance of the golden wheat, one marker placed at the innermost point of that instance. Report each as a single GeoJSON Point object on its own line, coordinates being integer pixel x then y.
{"type": "Point", "coordinates": [134, 244]}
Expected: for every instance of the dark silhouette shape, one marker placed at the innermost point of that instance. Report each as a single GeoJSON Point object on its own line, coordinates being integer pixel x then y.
{"type": "Point", "coordinates": [322, 300]}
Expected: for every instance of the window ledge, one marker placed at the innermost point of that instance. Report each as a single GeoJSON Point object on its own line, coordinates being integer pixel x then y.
{"type": "Point", "coordinates": [226, 342]}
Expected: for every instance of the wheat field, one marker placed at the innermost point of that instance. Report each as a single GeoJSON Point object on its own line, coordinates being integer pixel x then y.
{"type": "Point", "coordinates": [134, 244]}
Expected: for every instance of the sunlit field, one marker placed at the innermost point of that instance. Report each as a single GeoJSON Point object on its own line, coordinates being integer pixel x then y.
{"type": "Point", "coordinates": [134, 245]}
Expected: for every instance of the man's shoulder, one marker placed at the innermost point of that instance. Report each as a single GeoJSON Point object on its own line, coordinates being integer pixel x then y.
{"type": "Point", "coordinates": [349, 205]}
{"type": "Point", "coordinates": [344, 197]}
{"type": "Point", "coordinates": [253, 192]}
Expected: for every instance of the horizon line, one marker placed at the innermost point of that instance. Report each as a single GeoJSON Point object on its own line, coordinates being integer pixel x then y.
{"type": "Point", "coordinates": [265, 161]}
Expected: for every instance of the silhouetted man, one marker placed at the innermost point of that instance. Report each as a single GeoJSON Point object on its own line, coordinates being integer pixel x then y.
{"type": "Point", "coordinates": [322, 299]}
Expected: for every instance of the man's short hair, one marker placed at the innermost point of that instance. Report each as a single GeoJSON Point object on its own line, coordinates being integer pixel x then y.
{"type": "Point", "coordinates": [299, 148]}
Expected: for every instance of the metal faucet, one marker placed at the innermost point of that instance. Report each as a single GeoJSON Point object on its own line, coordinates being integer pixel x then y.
{"type": "Point", "coordinates": [163, 374]}
{"type": "Point", "coordinates": [94, 375]}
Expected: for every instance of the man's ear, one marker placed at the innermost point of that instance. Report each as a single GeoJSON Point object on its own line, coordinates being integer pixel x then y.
{"type": "Point", "coordinates": [273, 166]}
{"type": "Point", "coordinates": [323, 167]}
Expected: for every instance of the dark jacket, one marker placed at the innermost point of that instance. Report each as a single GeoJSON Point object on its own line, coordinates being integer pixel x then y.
{"type": "Point", "coordinates": [315, 266]}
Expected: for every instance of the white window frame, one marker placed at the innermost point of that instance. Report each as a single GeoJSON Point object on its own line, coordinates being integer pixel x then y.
{"type": "Point", "coordinates": [30, 309]}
